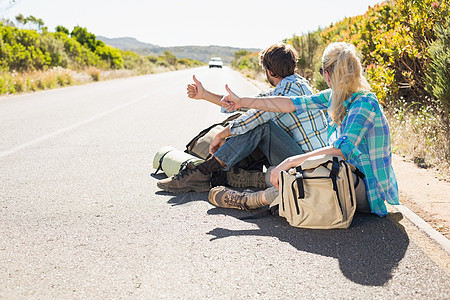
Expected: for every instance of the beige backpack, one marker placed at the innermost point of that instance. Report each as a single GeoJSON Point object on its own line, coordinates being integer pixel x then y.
{"type": "Point", "coordinates": [318, 194]}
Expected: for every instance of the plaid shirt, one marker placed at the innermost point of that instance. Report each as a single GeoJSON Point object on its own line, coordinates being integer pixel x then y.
{"type": "Point", "coordinates": [308, 129]}
{"type": "Point", "coordinates": [365, 141]}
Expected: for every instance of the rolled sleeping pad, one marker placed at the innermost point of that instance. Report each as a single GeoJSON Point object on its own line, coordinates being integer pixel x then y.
{"type": "Point", "coordinates": [171, 160]}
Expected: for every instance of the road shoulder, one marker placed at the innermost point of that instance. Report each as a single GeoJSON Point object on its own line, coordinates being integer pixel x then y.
{"type": "Point", "coordinates": [424, 194]}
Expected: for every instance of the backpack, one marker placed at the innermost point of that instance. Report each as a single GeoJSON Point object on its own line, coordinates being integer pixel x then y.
{"type": "Point", "coordinates": [199, 145]}
{"type": "Point", "coordinates": [318, 194]}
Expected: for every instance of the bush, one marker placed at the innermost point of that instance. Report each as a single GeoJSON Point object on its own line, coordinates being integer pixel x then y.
{"type": "Point", "coordinates": [189, 62]}
{"type": "Point", "coordinates": [438, 69]}
{"type": "Point", "coordinates": [247, 62]}
{"type": "Point", "coordinates": [110, 55]}
{"type": "Point", "coordinates": [308, 47]}
{"type": "Point", "coordinates": [152, 59]}
{"type": "Point", "coordinates": [169, 58]}
{"type": "Point", "coordinates": [54, 48]}
{"type": "Point", "coordinates": [238, 55]}
{"type": "Point", "coordinates": [162, 63]}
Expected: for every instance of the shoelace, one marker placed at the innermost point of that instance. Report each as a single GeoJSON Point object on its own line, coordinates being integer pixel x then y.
{"type": "Point", "coordinates": [185, 172]}
{"type": "Point", "coordinates": [235, 199]}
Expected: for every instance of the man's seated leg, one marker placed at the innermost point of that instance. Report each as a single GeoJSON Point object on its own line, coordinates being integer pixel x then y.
{"type": "Point", "coordinates": [277, 144]}
{"type": "Point", "coordinates": [198, 178]}
{"type": "Point", "coordinates": [274, 142]}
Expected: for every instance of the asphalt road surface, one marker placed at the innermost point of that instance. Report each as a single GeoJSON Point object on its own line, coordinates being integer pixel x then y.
{"type": "Point", "coordinates": [81, 217]}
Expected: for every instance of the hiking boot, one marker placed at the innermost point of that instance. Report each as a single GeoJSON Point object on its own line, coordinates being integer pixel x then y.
{"type": "Point", "coordinates": [228, 198]}
{"type": "Point", "coordinates": [188, 179]}
{"type": "Point", "coordinates": [223, 197]}
{"type": "Point", "coordinates": [242, 178]}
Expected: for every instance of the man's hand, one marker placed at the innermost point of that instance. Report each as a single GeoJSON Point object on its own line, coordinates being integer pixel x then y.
{"type": "Point", "coordinates": [216, 144]}
{"type": "Point", "coordinates": [196, 90]}
{"type": "Point", "coordinates": [231, 101]}
{"type": "Point", "coordinates": [219, 140]}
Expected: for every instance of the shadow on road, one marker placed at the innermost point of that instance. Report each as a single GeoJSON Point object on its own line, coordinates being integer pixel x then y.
{"type": "Point", "coordinates": [180, 199]}
{"type": "Point", "coordinates": [367, 252]}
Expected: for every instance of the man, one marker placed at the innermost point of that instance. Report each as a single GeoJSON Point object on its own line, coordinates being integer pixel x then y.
{"type": "Point", "coordinates": [278, 135]}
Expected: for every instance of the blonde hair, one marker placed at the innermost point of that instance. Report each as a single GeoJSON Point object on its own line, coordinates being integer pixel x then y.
{"type": "Point", "coordinates": [346, 76]}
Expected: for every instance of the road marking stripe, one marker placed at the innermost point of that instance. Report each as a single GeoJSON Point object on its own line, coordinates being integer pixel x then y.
{"type": "Point", "coordinates": [79, 124]}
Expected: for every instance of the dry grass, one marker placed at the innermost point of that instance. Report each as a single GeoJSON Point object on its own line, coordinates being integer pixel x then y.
{"type": "Point", "coordinates": [15, 83]}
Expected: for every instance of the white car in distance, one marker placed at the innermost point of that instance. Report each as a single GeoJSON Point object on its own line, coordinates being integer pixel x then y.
{"type": "Point", "coordinates": [215, 62]}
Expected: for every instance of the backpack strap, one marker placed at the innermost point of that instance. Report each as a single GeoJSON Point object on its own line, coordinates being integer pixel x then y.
{"type": "Point", "coordinates": [359, 176]}
{"type": "Point", "coordinates": [300, 187]}
{"type": "Point", "coordinates": [160, 162]}
{"type": "Point", "coordinates": [334, 172]}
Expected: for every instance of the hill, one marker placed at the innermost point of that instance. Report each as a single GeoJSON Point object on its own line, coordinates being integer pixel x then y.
{"type": "Point", "coordinates": [200, 53]}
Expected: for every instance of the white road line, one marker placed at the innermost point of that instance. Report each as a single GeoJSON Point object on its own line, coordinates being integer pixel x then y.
{"type": "Point", "coordinates": [79, 124]}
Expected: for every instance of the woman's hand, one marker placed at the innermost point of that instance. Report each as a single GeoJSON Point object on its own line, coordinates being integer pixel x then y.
{"type": "Point", "coordinates": [231, 101]}
{"type": "Point", "coordinates": [288, 163]}
{"type": "Point", "coordinates": [274, 175]}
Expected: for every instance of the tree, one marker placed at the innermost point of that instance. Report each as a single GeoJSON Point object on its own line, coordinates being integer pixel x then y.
{"type": "Point", "coordinates": [84, 37]}
{"type": "Point", "coordinates": [31, 20]}
{"type": "Point", "coordinates": [62, 29]}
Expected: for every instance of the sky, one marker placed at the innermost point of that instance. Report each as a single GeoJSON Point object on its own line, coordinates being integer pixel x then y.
{"type": "Point", "coordinates": [236, 23]}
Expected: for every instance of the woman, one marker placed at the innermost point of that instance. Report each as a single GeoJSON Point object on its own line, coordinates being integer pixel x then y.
{"type": "Point", "coordinates": [357, 130]}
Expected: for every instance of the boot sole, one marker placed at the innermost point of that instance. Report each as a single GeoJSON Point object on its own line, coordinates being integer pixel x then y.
{"type": "Point", "coordinates": [245, 179]}
{"type": "Point", "coordinates": [183, 190]}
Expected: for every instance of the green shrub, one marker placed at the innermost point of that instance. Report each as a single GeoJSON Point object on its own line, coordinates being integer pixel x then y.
{"type": "Point", "coordinates": [62, 29]}
{"type": "Point", "coordinates": [438, 68]}
{"type": "Point", "coordinates": [308, 47]}
{"type": "Point", "coordinates": [152, 59]}
{"type": "Point", "coordinates": [111, 55]}
{"type": "Point", "coordinates": [248, 62]}
{"type": "Point", "coordinates": [169, 58]}
{"type": "Point", "coordinates": [238, 55]}
{"type": "Point", "coordinates": [162, 63]}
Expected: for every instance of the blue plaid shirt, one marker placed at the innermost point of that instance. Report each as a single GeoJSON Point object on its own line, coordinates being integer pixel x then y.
{"type": "Point", "coordinates": [365, 141]}
{"type": "Point", "coordinates": [308, 128]}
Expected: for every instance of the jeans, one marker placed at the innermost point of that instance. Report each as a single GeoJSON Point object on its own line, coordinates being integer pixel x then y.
{"type": "Point", "coordinates": [273, 141]}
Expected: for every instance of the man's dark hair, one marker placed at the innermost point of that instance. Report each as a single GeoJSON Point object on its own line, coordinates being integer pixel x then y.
{"type": "Point", "coordinates": [279, 59]}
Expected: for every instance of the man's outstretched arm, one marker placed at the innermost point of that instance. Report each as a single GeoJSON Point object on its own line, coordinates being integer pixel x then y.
{"type": "Point", "coordinates": [197, 91]}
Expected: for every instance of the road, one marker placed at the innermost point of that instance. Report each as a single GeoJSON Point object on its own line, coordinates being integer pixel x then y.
{"type": "Point", "coordinates": [81, 217]}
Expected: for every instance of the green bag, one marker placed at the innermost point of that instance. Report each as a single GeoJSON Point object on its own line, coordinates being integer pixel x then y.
{"type": "Point", "coordinates": [171, 160]}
